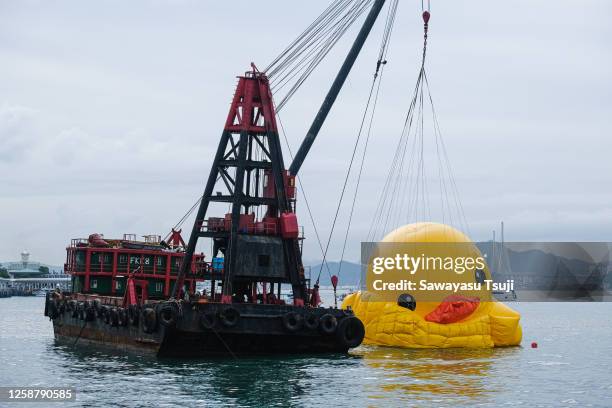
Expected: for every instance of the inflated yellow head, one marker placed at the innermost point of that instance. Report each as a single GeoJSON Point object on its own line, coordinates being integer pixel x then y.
{"type": "Point", "coordinates": [426, 232]}
{"type": "Point", "coordinates": [388, 323]}
{"type": "Point", "coordinates": [460, 246]}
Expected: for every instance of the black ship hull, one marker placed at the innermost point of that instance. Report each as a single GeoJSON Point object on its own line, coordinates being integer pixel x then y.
{"type": "Point", "coordinates": [179, 329]}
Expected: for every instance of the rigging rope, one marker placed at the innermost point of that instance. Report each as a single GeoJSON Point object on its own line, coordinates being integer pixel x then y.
{"type": "Point", "coordinates": [313, 43]}
{"type": "Point", "coordinates": [406, 179]}
{"type": "Point", "coordinates": [182, 220]}
{"type": "Point", "coordinates": [380, 63]}
{"type": "Point", "coordinates": [405, 193]}
{"type": "Point", "coordinates": [314, 224]}
{"type": "Point", "coordinates": [297, 62]}
{"type": "Point", "coordinates": [321, 53]}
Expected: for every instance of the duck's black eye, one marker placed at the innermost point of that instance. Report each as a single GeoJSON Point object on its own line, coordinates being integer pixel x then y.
{"type": "Point", "coordinates": [406, 300]}
{"type": "Point", "coordinates": [479, 276]}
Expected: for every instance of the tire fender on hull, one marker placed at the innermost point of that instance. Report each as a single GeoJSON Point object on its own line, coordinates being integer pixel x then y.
{"type": "Point", "coordinates": [292, 321]}
{"type": "Point", "coordinates": [311, 321]}
{"type": "Point", "coordinates": [149, 320]}
{"type": "Point", "coordinates": [133, 313]}
{"type": "Point", "coordinates": [350, 332]}
{"type": "Point", "coordinates": [229, 316]}
{"type": "Point", "coordinates": [328, 324]}
{"type": "Point", "coordinates": [168, 315]}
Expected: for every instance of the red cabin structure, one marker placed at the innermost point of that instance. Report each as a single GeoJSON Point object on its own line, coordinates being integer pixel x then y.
{"type": "Point", "coordinates": [102, 266]}
{"type": "Point", "coordinates": [269, 188]}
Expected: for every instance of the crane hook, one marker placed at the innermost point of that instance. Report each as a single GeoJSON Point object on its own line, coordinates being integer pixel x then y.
{"type": "Point", "coordinates": [426, 15]}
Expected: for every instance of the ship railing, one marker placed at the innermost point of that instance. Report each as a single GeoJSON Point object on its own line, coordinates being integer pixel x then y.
{"type": "Point", "coordinates": [262, 228]}
{"type": "Point", "coordinates": [79, 242]}
{"type": "Point", "coordinates": [214, 224]}
{"type": "Point", "coordinates": [152, 239]}
{"type": "Point", "coordinates": [130, 237]}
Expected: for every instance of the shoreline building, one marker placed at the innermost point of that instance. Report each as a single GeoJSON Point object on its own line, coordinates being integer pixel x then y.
{"type": "Point", "coordinates": [26, 276]}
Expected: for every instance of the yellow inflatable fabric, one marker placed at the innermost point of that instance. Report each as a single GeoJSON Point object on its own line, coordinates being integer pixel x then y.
{"type": "Point", "coordinates": [492, 324]}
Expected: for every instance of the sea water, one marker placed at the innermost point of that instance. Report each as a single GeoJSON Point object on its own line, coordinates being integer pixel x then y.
{"type": "Point", "coordinates": [572, 366]}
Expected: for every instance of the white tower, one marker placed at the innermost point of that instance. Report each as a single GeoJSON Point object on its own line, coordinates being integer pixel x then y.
{"type": "Point", "coordinates": [25, 257]}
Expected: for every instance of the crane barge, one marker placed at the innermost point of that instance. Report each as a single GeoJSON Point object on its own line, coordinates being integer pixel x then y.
{"type": "Point", "coordinates": [138, 295]}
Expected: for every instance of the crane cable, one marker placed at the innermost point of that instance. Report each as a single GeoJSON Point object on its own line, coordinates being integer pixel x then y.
{"type": "Point", "coordinates": [397, 164]}
{"type": "Point", "coordinates": [380, 63]}
{"type": "Point", "coordinates": [389, 209]}
{"type": "Point", "coordinates": [314, 224]}
{"type": "Point", "coordinates": [182, 220]}
{"type": "Point", "coordinates": [321, 53]}
{"type": "Point", "coordinates": [292, 48]}
{"type": "Point", "coordinates": [297, 62]}
{"type": "Point", "coordinates": [310, 42]}
{"type": "Point", "coordinates": [312, 46]}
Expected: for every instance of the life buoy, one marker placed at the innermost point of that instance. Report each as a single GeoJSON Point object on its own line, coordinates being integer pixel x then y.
{"type": "Point", "coordinates": [293, 321]}
{"type": "Point", "coordinates": [229, 317]}
{"type": "Point", "coordinates": [149, 320]}
{"type": "Point", "coordinates": [132, 314]}
{"type": "Point", "coordinates": [350, 332]}
{"type": "Point", "coordinates": [328, 324]}
{"type": "Point", "coordinates": [311, 321]}
{"type": "Point", "coordinates": [168, 315]}
{"type": "Point", "coordinates": [208, 320]}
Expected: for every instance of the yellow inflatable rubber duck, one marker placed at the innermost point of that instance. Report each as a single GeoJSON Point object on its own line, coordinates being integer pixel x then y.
{"type": "Point", "coordinates": [491, 324]}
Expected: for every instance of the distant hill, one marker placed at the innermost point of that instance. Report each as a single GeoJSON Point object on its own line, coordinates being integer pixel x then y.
{"type": "Point", "coordinates": [348, 275]}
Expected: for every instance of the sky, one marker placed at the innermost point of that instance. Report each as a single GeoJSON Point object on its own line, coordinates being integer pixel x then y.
{"type": "Point", "coordinates": [110, 113]}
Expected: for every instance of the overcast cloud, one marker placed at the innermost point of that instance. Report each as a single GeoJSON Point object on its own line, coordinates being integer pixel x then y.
{"type": "Point", "coordinates": [110, 112]}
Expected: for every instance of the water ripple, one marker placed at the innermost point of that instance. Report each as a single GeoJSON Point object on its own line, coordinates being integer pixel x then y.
{"type": "Point", "coordinates": [570, 368]}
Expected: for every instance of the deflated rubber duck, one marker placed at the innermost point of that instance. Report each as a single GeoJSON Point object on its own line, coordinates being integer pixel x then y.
{"type": "Point", "coordinates": [456, 320]}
